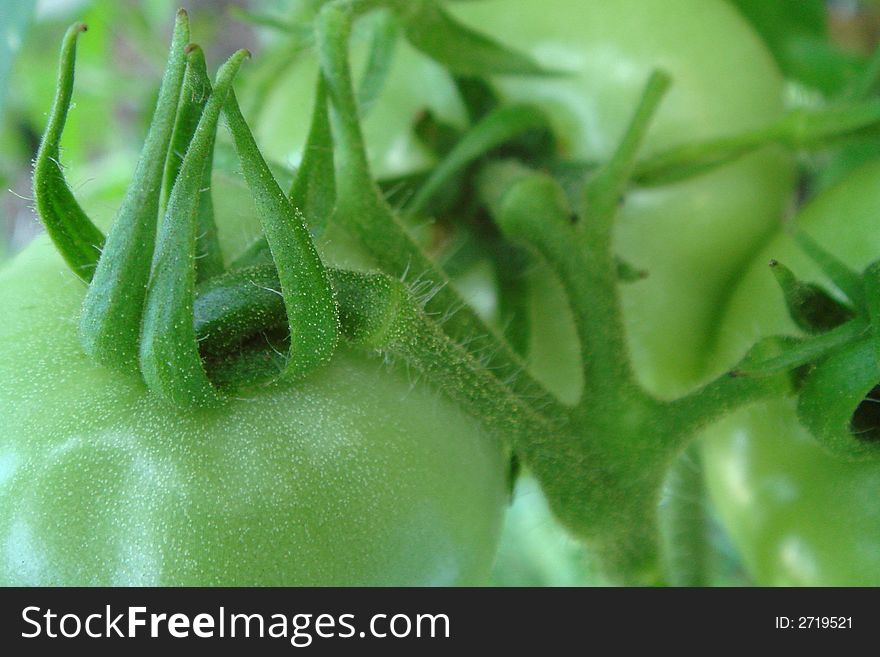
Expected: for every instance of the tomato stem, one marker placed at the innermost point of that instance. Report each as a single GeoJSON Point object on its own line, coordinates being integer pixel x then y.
{"type": "Point", "coordinates": [363, 211]}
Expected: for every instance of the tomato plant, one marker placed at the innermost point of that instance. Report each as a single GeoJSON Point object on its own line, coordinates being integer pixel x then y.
{"type": "Point", "coordinates": [306, 407]}
{"type": "Point", "coordinates": [606, 51]}
{"type": "Point", "coordinates": [104, 484]}
{"type": "Point", "coordinates": [724, 83]}
{"type": "Point", "coordinates": [799, 514]}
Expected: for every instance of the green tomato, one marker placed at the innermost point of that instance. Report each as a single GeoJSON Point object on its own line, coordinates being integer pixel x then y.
{"type": "Point", "coordinates": [354, 476]}
{"type": "Point", "coordinates": [798, 514]}
{"type": "Point", "coordinates": [691, 237]}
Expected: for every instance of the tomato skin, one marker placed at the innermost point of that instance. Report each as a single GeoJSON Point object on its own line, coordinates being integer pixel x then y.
{"type": "Point", "coordinates": [354, 476]}
{"type": "Point", "coordinates": [691, 237]}
{"type": "Point", "coordinates": [798, 514]}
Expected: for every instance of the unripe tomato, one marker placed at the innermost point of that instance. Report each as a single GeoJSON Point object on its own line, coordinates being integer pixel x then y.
{"type": "Point", "coordinates": [355, 475]}
{"type": "Point", "coordinates": [692, 237]}
{"type": "Point", "coordinates": [798, 514]}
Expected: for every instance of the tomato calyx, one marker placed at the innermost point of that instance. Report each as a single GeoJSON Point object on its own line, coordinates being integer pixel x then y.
{"type": "Point", "coordinates": [835, 369]}
{"type": "Point", "coordinates": [138, 311]}
{"type": "Point", "coordinates": [278, 312]}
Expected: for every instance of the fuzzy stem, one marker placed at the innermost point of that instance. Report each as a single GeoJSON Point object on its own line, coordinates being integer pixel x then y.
{"type": "Point", "coordinates": [378, 311]}
{"type": "Point", "coordinates": [592, 265]}
{"type": "Point", "coordinates": [362, 209]}
{"type": "Point", "coordinates": [685, 416]}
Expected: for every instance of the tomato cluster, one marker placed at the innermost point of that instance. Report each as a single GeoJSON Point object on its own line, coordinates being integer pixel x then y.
{"type": "Point", "coordinates": [390, 464]}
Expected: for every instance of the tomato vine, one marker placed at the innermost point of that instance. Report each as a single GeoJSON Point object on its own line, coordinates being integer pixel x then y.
{"type": "Point", "coordinates": [162, 304]}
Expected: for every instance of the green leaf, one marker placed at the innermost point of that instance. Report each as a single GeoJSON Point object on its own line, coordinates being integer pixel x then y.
{"type": "Point", "coordinates": [496, 128]}
{"type": "Point", "coordinates": [111, 319]}
{"type": "Point", "coordinates": [169, 354]}
{"type": "Point", "coordinates": [429, 28]}
{"type": "Point", "coordinates": [77, 239]}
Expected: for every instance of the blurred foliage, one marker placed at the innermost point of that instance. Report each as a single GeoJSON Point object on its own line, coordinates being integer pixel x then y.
{"type": "Point", "coordinates": [796, 32]}
{"type": "Point", "coordinates": [15, 17]}
{"type": "Point", "coordinates": [119, 63]}
{"type": "Point", "coordinates": [535, 550]}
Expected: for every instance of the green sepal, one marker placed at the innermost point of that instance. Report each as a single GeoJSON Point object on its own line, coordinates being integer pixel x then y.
{"type": "Point", "coordinates": [845, 279]}
{"type": "Point", "coordinates": [308, 296]}
{"type": "Point", "coordinates": [799, 352]}
{"type": "Point", "coordinates": [837, 401]}
{"type": "Point", "coordinates": [810, 307]}
{"type": "Point", "coordinates": [75, 236]}
{"type": "Point", "coordinates": [111, 316]}
{"type": "Point", "coordinates": [193, 98]}
{"type": "Point", "coordinates": [314, 187]}
{"type": "Point", "coordinates": [496, 128]}
{"type": "Point", "coordinates": [169, 354]}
